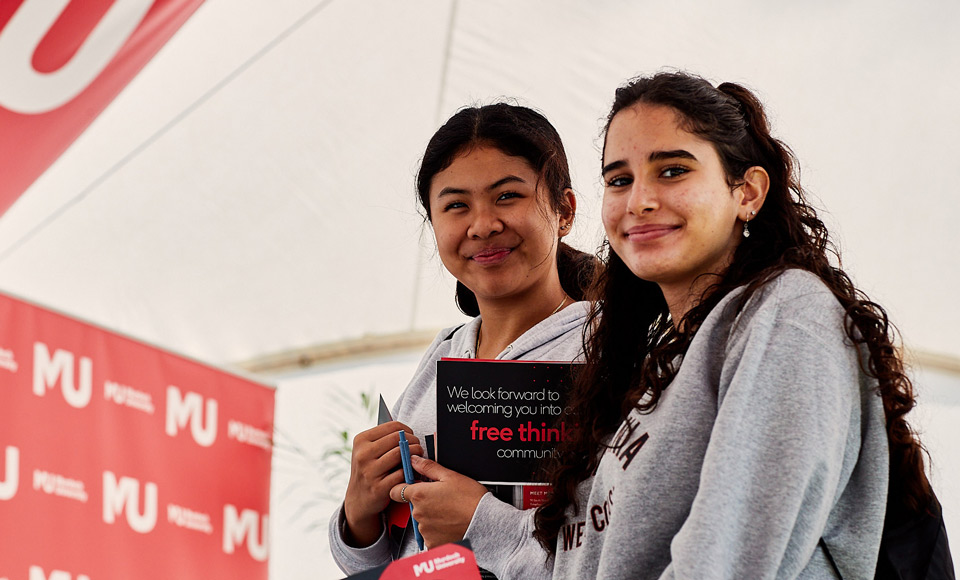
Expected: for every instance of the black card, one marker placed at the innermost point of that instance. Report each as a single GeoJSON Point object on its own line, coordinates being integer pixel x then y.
{"type": "Point", "coordinates": [498, 421]}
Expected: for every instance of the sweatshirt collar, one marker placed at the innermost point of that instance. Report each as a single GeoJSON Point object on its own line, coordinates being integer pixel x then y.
{"type": "Point", "coordinates": [549, 328]}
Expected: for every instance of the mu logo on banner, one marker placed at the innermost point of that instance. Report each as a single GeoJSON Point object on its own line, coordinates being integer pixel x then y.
{"type": "Point", "coordinates": [181, 409]}
{"type": "Point", "coordinates": [115, 454]}
{"type": "Point", "coordinates": [247, 524]}
{"type": "Point", "coordinates": [123, 496]}
{"type": "Point", "coordinates": [48, 370]}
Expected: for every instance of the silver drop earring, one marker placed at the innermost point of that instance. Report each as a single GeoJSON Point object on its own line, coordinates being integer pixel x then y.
{"type": "Point", "coordinates": [746, 225]}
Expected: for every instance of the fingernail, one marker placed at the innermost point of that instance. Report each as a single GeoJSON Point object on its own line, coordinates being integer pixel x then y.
{"type": "Point", "coordinates": [416, 460]}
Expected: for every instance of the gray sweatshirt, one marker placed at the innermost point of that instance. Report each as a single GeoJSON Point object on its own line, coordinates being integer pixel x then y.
{"type": "Point", "coordinates": [500, 534]}
{"type": "Point", "coordinates": [769, 438]}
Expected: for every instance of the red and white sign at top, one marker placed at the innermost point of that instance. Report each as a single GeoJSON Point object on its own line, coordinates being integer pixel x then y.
{"type": "Point", "coordinates": [61, 63]}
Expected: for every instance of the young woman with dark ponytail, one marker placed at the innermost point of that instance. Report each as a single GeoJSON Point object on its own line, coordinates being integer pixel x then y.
{"type": "Point", "coordinates": [495, 185]}
{"type": "Point", "coordinates": [742, 410]}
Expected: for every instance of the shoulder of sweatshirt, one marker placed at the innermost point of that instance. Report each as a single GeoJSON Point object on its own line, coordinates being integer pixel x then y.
{"type": "Point", "coordinates": [796, 297]}
{"type": "Point", "coordinates": [454, 341]}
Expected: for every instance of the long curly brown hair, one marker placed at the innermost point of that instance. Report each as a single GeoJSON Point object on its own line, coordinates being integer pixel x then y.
{"type": "Point", "coordinates": [629, 370]}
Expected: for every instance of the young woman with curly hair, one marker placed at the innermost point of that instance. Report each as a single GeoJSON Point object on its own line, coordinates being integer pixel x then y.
{"type": "Point", "coordinates": [741, 412]}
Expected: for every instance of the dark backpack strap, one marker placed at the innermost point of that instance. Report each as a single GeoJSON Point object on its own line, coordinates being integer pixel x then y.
{"type": "Point", "coordinates": [913, 548]}
{"type": "Point", "coordinates": [916, 547]}
{"type": "Point", "coordinates": [941, 562]}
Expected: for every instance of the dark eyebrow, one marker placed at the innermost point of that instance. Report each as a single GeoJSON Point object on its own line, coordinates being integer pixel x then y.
{"type": "Point", "coordinates": [491, 187]}
{"type": "Point", "coordinates": [450, 191]}
{"type": "Point", "coordinates": [612, 166]}
{"type": "Point", "coordinates": [504, 181]}
{"type": "Point", "coordinates": [675, 154]}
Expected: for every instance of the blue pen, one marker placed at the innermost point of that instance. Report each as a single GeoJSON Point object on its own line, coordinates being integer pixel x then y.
{"type": "Point", "coordinates": [408, 477]}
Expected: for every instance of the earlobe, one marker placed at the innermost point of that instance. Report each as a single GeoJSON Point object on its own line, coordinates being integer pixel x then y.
{"type": "Point", "coordinates": [567, 211]}
{"type": "Point", "coordinates": [756, 183]}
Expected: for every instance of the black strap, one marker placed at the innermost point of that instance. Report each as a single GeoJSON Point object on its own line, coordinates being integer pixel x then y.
{"type": "Point", "coordinates": [912, 547]}
{"type": "Point", "coordinates": [915, 545]}
{"type": "Point", "coordinates": [452, 332]}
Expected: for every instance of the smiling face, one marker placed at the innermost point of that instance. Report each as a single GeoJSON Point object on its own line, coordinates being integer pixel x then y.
{"type": "Point", "coordinates": [667, 208]}
{"type": "Point", "coordinates": [496, 232]}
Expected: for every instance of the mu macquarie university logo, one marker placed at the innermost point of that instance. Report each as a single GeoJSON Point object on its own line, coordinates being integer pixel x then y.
{"type": "Point", "coordinates": [126, 498]}
{"type": "Point", "coordinates": [182, 409]}
{"type": "Point", "coordinates": [122, 496]}
{"type": "Point", "coordinates": [62, 62]}
{"type": "Point", "coordinates": [77, 388]}
{"type": "Point", "coordinates": [122, 499]}
{"type": "Point", "coordinates": [29, 90]}
{"type": "Point", "coordinates": [74, 375]}
{"type": "Point", "coordinates": [101, 434]}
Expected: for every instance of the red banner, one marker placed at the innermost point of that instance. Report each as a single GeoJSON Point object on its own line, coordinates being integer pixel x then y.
{"type": "Point", "coordinates": [120, 460]}
{"type": "Point", "coordinates": [61, 63]}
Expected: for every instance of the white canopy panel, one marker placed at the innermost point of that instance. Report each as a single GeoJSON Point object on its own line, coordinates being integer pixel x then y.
{"type": "Point", "coordinates": [251, 191]}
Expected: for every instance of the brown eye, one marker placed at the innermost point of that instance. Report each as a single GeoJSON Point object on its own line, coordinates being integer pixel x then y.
{"type": "Point", "coordinates": [673, 172]}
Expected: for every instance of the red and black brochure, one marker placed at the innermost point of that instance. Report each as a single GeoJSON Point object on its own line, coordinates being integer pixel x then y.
{"type": "Point", "coordinates": [497, 421]}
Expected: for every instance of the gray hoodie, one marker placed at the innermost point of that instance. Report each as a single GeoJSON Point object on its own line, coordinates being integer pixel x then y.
{"type": "Point", "coordinates": [500, 534]}
{"type": "Point", "coordinates": [769, 438]}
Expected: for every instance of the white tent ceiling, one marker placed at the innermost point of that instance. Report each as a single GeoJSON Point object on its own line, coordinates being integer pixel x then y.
{"type": "Point", "coordinates": [251, 191]}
